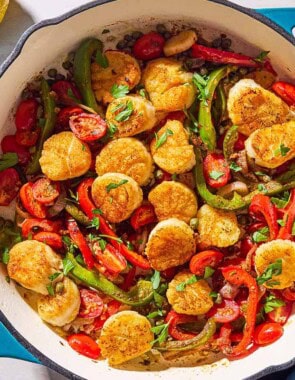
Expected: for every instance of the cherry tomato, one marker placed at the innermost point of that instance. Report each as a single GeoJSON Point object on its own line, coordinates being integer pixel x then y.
{"type": "Point", "coordinates": [26, 115]}
{"type": "Point", "coordinates": [113, 307]}
{"type": "Point", "coordinates": [85, 345]}
{"type": "Point", "coordinates": [286, 91]}
{"type": "Point", "coordinates": [280, 314]}
{"type": "Point", "coordinates": [149, 46]}
{"type": "Point", "coordinates": [67, 93]}
{"type": "Point", "coordinates": [145, 214]}
{"type": "Point", "coordinates": [63, 117]}
{"type": "Point", "coordinates": [239, 144]}
{"type": "Point", "coordinates": [246, 245]}
{"type": "Point", "coordinates": [52, 239]}
{"type": "Point", "coordinates": [227, 311]}
{"type": "Point", "coordinates": [88, 127]}
{"type": "Point", "coordinates": [110, 258]}
{"type": "Point", "coordinates": [9, 186]}
{"type": "Point", "coordinates": [29, 202]}
{"type": "Point", "coordinates": [216, 170]}
{"type": "Point", "coordinates": [34, 225]}
{"type": "Point", "coordinates": [204, 259]}
{"type": "Point", "coordinates": [9, 144]}
{"type": "Point", "coordinates": [267, 333]}
{"type": "Point", "coordinates": [289, 294]}
{"type": "Point", "coordinates": [27, 138]}
{"type": "Point", "coordinates": [45, 191]}
{"type": "Point", "coordinates": [91, 304]}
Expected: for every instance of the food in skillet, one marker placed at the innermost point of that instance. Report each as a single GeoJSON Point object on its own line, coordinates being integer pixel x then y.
{"type": "Point", "coordinates": [155, 199]}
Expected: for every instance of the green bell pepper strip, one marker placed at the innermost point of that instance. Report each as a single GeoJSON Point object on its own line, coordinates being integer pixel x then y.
{"type": "Point", "coordinates": [199, 340]}
{"type": "Point", "coordinates": [207, 129]}
{"type": "Point", "coordinates": [82, 71]}
{"type": "Point", "coordinates": [140, 294]}
{"type": "Point", "coordinates": [229, 141]}
{"type": "Point", "coordinates": [237, 202]}
{"type": "Point", "coordinates": [77, 214]}
{"type": "Point", "coordinates": [219, 105]}
{"type": "Point", "coordinates": [47, 129]}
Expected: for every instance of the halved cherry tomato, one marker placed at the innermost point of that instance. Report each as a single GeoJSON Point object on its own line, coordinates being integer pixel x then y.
{"type": "Point", "coordinates": [9, 144]}
{"type": "Point", "coordinates": [239, 144]}
{"type": "Point", "coordinates": [286, 91]}
{"type": "Point", "coordinates": [216, 170]}
{"type": "Point", "coordinates": [51, 238]}
{"type": "Point", "coordinates": [85, 345]}
{"type": "Point", "coordinates": [149, 46]}
{"type": "Point", "coordinates": [267, 333]}
{"type": "Point", "coordinates": [30, 203]}
{"type": "Point", "coordinates": [143, 215]}
{"type": "Point", "coordinates": [27, 138]}
{"type": "Point", "coordinates": [280, 314]}
{"type": "Point", "coordinates": [67, 93]}
{"type": "Point", "coordinates": [246, 245]}
{"type": "Point", "coordinates": [91, 304]}
{"type": "Point", "coordinates": [26, 115]}
{"type": "Point", "coordinates": [33, 226]}
{"type": "Point", "coordinates": [88, 127]}
{"type": "Point", "coordinates": [112, 308]}
{"type": "Point", "coordinates": [289, 294]}
{"type": "Point", "coordinates": [174, 319]}
{"type": "Point", "coordinates": [9, 186]}
{"type": "Point", "coordinates": [45, 191]}
{"type": "Point", "coordinates": [204, 259]}
{"type": "Point", "coordinates": [63, 117]}
{"type": "Point", "coordinates": [227, 311]}
{"type": "Point", "coordinates": [110, 258]}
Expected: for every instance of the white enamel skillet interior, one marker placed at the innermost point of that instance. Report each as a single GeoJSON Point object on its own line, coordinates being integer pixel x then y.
{"type": "Point", "coordinates": [46, 45]}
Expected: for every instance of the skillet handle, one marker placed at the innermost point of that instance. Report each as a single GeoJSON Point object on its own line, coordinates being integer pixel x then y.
{"type": "Point", "coordinates": [284, 17]}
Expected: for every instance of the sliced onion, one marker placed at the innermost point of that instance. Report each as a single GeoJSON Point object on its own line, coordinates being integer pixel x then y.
{"type": "Point", "coordinates": [229, 291]}
{"type": "Point", "coordinates": [59, 205]}
{"type": "Point", "coordinates": [237, 186]}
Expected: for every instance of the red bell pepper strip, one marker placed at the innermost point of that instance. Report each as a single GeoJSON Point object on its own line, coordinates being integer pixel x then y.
{"type": "Point", "coordinates": [289, 294]}
{"type": "Point", "coordinates": [239, 276]}
{"type": "Point", "coordinates": [143, 215]}
{"type": "Point", "coordinates": [219, 56]}
{"type": "Point", "coordinates": [174, 319]}
{"type": "Point", "coordinates": [288, 220]}
{"type": "Point", "coordinates": [78, 238]}
{"type": "Point", "coordinates": [261, 204]}
{"type": "Point", "coordinates": [88, 207]}
{"type": "Point", "coordinates": [128, 281]}
{"type": "Point", "coordinates": [286, 91]}
{"type": "Point", "coordinates": [53, 239]}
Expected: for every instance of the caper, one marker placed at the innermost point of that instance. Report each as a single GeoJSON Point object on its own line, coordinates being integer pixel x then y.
{"type": "Point", "coordinates": [243, 71]}
{"type": "Point", "coordinates": [67, 64]}
{"type": "Point", "coordinates": [194, 223]}
{"type": "Point", "coordinates": [161, 28]}
{"type": "Point", "coordinates": [121, 44]}
{"type": "Point", "coordinates": [131, 43]}
{"type": "Point", "coordinates": [167, 35]}
{"type": "Point", "coordinates": [127, 37]}
{"type": "Point", "coordinates": [35, 228]}
{"type": "Point", "coordinates": [136, 35]}
{"type": "Point", "coordinates": [226, 43]}
{"type": "Point", "coordinates": [217, 42]}
{"type": "Point", "coordinates": [52, 73]}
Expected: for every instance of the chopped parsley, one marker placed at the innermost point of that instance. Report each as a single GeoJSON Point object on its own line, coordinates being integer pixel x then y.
{"type": "Point", "coordinates": [261, 188]}
{"type": "Point", "coordinates": [70, 245]}
{"type": "Point", "coordinates": [158, 299]}
{"type": "Point", "coordinates": [112, 128]}
{"type": "Point", "coordinates": [282, 201]}
{"type": "Point", "coordinates": [271, 303]}
{"type": "Point", "coordinates": [281, 222]}
{"type": "Point", "coordinates": [163, 138]}
{"type": "Point", "coordinates": [8, 160]}
{"type": "Point", "coordinates": [53, 276]}
{"type": "Point", "coordinates": [162, 333]}
{"type": "Point", "coordinates": [193, 124]}
{"type": "Point", "coordinates": [126, 111]}
{"type": "Point", "coordinates": [97, 211]}
{"type": "Point", "coordinates": [154, 314]}
{"type": "Point", "coordinates": [201, 82]}
{"type": "Point", "coordinates": [113, 185]}
{"type": "Point", "coordinates": [101, 59]}
{"type": "Point", "coordinates": [235, 167]}
{"type": "Point", "coordinates": [67, 266]}
{"type": "Point", "coordinates": [261, 235]}
{"type": "Point", "coordinates": [50, 289]}
{"type": "Point", "coordinates": [215, 174]}
{"type": "Point", "coordinates": [262, 56]}
{"type": "Point", "coordinates": [118, 91]}
{"type": "Point", "coordinates": [155, 279]}
{"type": "Point", "coordinates": [213, 294]}
{"type": "Point", "coordinates": [282, 150]}
{"type": "Point", "coordinates": [5, 256]}
{"type": "Point", "coordinates": [182, 285]}
{"type": "Point", "coordinates": [119, 240]}
{"type": "Point", "coordinates": [142, 93]}
{"type": "Point", "coordinates": [130, 245]}
{"type": "Point", "coordinates": [273, 269]}
{"type": "Point", "coordinates": [102, 244]}
{"type": "Point", "coordinates": [208, 272]}
{"type": "Point", "coordinates": [174, 177]}
{"type": "Point", "coordinates": [95, 223]}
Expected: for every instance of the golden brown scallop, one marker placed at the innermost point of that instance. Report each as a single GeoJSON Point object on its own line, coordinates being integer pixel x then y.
{"type": "Point", "coordinates": [117, 195]}
{"type": "Point", "coordinates": [175, 154]}
{"type": "Point", "coordinates": [127, 156]}
{"type": "Point", "coordinates": [31, 263]}
{"type": "Point", "coordinates": [170, 243]}
{"type": "Point", "coordinates": [170, 88]}
{"type": "Point", "coordinates": [173, 200]}
{"type": "Point", "coordinates": [123, 69]}
{"type": "Point", "coordinates": [64, 156]}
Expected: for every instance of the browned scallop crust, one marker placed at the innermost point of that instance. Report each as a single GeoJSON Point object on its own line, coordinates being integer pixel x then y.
{"type": "Point", "coordinates": [170, 243]}
{"type": "Point", "coordinates": [194, 299]}
{"type": "Point", "coordinates": [123, 69]}
{"type": "Point", "coordinates": [64, 156]}
{"type": "Point", "coordinates": [117, 204]}
{"type": "Point", "coordinates": [173, 200]}
{"type": "Point", "coordinates": [251, 107]}
{"type": "Point", "coordinates": [31, 263]}
{"type": "Point", "coordinates": [127, 156]}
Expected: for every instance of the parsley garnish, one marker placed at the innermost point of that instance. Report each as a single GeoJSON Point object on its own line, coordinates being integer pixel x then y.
{"type": "Point", "coordinates": [155, 279]}
{"type": "Point", "coordinates": [182, 285]}
{"type": "Point", "coordinates": [235, 167]}
{"type": "Point", "coordinates": [163, 138]}
{"type": "Point", "coordinates": [118, 91]}
{"type": "Point", "coordinates": [154, 314]}
{"type": "Point", "coordinates": [271, 302]}
{"type": "Point", "coordinates": [113, 185]}
{"type": "Point", "coordinates": [119, 240]}
{"type": "Point", "coordinates": [161, 331]}
{"type": "Point", "coordinates": [158, 299]}
{"type": "Point", "coordinates": [193, 122]}
{"type": "Point", "coordinates": [102, 243]}
{"type": "Point", "coordinates": [142, 92]}
{"type": "Point", "coordinates": [282, 201]}
{"type": "Point", "coordinates": [5, 256]}
{"type": "Point", "coordinates": [261, 188]}
{"type": "Point", "coordinates": [101, 59]}
{"type": "Point", "coordinates": [67, 266]}
{"type": "Point", "coordinates": [261, 56]}
{"type": "Point", "coordinates": [8, 160]}
{"type": "Point", "coordinates": [208, 272]}
{"type": "Point", "coordinates": [95, 222]}
{"type": "Point", "coordinates": [50, 289]}
{"type": "Point", "coordinates": [112, 128]}
{"type": "Point", "coordinates": [130, 245]}
{"type": "Point", "coordinates": [79, 259]}
{"type": "Point", "coordinates": [282, 150]}
{"type": "Point", "coordinates": [216, 174]}
{"type": "Point", "coordinates": [281, 222]}
{"type": "Point", "coordinates": [201, 82]}
{"type": "Point", "coordinates": [69, 244]}
{"type": "Point", "coordinates": [53, 276]}
{"type": "Point", "coordinates": [273, 269]}
{"type": "Point", "coordinates": [260, 235]}
{"type": "Point", "coordinates": [174, 177]}
{"type": "Point", "coordinates": [97, 211]}
{"type": "Point", "coordinates": [127, 110]}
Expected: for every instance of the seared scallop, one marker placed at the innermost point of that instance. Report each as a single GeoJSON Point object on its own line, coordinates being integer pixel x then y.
{"type": "Point", "coordinates": [188, 296]}
{"type": "Point", "coordinates": [251, 107]}
{"type": "Point", "coordinates": [117, 195]}
{"type": "Point", "coordinates": [63, 307]}
{"type": "Point", "coordinates": [268, 253]}
{"type": "Point", "coordinates": [123, 69]}
{"type": "Point", "coordinates": [127, 156]}
{"type": "Point", "coordinates": [124, 336]}
{"type": "Point", "coordinates": [217, 227]}
{"type": "Point", "coordinates": [131, 115]}
{"type": "Point", "coordinates": [170, 243]}
{"type": "Point", "coordinates": [173, 200]}
{"type": "Point", "coordinates": [272, 146]}
{"type": "Point", "coordinates": [64, 156]}
{"type": "Point", "coordinates": [170, 88]}
{"type": "Point", "coordinates": [174, 154]}
{"type": "Point", "coordinates": [31, 263]}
